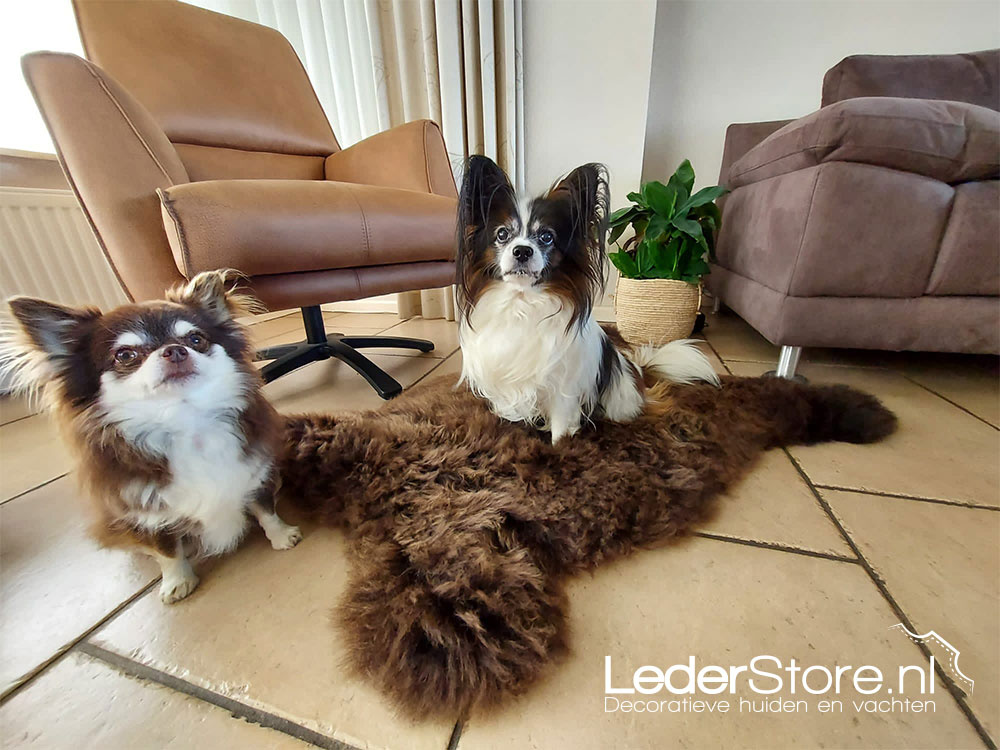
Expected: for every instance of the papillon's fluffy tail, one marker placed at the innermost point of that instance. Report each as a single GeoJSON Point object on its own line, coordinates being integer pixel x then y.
{"type": "Point", "coordinates": [679, 362]}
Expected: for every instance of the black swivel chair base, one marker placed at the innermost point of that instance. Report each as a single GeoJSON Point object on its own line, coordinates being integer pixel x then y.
{"type": "Point", "coordinates": [319, 346]}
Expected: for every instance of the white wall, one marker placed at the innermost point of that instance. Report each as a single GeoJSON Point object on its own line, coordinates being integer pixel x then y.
{"type": "Point", "coordinates": [716, 62]}
{"type": "Point", "coordinates": [586, 82]}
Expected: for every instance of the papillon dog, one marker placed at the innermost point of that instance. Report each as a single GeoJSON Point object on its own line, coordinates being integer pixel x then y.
{"type": "Point", "coordinates": [528, 275]}
{"type": "Point", "coordinates": [163, 409]}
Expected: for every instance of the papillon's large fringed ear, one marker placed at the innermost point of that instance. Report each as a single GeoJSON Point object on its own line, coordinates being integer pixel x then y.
{"type": "Point", "coordinates": [39, 342]}
{"type": "Point", "coordinates": [584, 193]}
{"type": "Point", "coordinates": [218, 293]}
{"type": "Point", "coordinates": [586, 190]}
{"type": "Point", "coordinates": [485, 190]}
{"type": "Point", "coordinates": [486, 194]}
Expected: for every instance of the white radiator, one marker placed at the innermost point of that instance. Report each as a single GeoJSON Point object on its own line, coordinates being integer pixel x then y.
{"type": "Point", "coordinates": [48, 250]}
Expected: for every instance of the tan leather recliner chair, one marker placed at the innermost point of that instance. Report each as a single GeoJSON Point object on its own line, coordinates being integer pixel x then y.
{"type": "Point", "coordinates": [194, 141]}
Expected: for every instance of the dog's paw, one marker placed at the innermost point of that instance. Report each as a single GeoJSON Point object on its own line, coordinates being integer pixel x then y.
{"type": "Point", "coordinates": [285, 537]}
{"type": "Point", "coordinates": [175, 588]}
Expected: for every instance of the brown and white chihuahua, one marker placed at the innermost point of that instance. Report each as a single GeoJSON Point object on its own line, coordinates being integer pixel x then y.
{"type": "Point", "coordinates": [172, 436]}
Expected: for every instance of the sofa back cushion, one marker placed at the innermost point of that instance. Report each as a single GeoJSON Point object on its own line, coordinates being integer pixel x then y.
{"type": "Point", "coordinates": [972, 77]}
{"type": "Point", "coordinates": [949, 141]}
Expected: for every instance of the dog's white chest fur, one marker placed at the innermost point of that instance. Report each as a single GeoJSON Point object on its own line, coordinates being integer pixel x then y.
{"type": "Point", "coordinates": [212, 477]}
{"type": "Point", "coordinates": [518, 354]}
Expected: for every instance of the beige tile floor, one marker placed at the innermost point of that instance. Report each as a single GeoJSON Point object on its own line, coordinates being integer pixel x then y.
{"type": "Point", "coordinates": [814, 556]}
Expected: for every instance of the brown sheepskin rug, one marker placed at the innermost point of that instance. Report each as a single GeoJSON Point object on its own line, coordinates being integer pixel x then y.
{"type": "Point", "coordinates": [463, 527]}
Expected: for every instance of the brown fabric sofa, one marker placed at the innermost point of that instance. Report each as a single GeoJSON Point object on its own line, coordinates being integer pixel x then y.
{"type": "Point", "coordinates": [874, 222]}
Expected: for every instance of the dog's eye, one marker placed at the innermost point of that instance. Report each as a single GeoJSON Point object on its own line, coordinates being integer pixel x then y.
{"type": "Point", "coordinates": [125, 355]}
{"type": "Point", "coordinates": [503, 234]}
{"type": "Point", "coordinates": [546, 237]}
{"type": "Point", "coordinates": [195, 340]}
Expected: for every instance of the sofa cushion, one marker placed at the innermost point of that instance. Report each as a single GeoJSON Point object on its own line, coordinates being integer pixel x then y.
{"type": "Point", "coordinates": [973, 77]}
{"type": "Point", "coordinates": [949, 141]}
{"type": "Point", "coordinates": [262, 227]}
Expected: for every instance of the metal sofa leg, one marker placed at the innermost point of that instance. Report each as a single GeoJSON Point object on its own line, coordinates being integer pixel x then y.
{"type": "Point", "coordinates": [788, 360]}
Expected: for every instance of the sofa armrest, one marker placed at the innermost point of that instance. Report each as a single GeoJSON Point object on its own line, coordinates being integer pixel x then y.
{"type": "Point", "coordinates": [115, 157]}
{"type": "Point", "coordinates": [743, 136]}
{"type": "Point", "coordinates": [410, 157]}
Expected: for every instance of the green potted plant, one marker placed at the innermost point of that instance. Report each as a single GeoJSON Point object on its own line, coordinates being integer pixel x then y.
{"type": "Point", "coordinates": [661, 265]}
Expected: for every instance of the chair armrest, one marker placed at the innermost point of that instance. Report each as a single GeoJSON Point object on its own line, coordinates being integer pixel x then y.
{"type": "Point", "coordinates": [743, 136]}
{"type": "Point", "coordinates": [266, 227]}
{"type": "Point", "coordinates": [115, 157]}
{"type": "Point", "coordinates": [410, 157]}
{"type": "Point", "coordinates": [948, 141]}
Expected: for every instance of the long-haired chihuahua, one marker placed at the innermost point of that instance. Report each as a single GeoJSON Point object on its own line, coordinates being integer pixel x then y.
{"type": "Point", "coordinates": [163, 409]}
{"type": "Point", "coordinates": [529, 272]}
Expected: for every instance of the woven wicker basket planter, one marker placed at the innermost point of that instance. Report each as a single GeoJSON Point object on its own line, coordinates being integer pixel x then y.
{"type": "Point", "coordinates": [655, 311]}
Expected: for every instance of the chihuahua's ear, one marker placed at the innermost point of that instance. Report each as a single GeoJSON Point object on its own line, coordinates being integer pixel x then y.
{"type": "Point", "coordinates": [485, 191]}
{"type": "Point", "coordinates": [586, 191]}
{"type": "Point", "coordinates": [49, 328]}
{"type": "Point", "coordinates": [39, 344]}
{"type": "Point", "coordinates": [218, 294]}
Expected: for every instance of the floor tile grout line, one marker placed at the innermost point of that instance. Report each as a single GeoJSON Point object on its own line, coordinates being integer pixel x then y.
{"type": "Point", "coordinates": [953, 689]}
{"type": "Point", "coordinates": [36, 487]}
{"type": "Point", "coordinates": [456, 734]}
{"type": "Point", "coordinates": [953, 403]}
{"type": "Point", "coordinates": [21, 419]}
{"type": "Point", "coordinates": [776, 547]}
{"type": "Point", "coordinates": [430, 371]}
{"type": "Point", "coordinates": [902, 496]}
{"type": "Point", "coordinates": [37, 671]}
{"type": "Point", "coordinates": [237, 708]}
{"type": "Point", "coordinates": [716, 353]}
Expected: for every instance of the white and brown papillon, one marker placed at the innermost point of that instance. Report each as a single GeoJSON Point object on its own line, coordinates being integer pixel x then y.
{"type": "Point", "coordinates": [163, 409]}
{"type": "Point", "coordinates": [528, 275]}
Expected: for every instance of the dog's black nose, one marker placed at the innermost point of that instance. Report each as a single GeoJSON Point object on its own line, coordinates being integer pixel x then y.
{"type": "Point", "coordinates": [175, 353]}
{"type": "Point", "coordinates": [523, 252]}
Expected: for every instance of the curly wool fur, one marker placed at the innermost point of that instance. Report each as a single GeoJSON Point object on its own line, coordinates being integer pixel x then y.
{"type": "Point", "coordinates": [463, 526]}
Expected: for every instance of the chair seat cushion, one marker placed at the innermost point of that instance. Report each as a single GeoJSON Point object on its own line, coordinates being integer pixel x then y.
{"type": "Point", "coordinates": [262, 227]}
{"type": "Point", "coordinates": [949, 141]}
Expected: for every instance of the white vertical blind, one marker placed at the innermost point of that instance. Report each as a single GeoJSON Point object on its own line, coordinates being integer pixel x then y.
{"type": "Point", "coordinates": [379, 63]}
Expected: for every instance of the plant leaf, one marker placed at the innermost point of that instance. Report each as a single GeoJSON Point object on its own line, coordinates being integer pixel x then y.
{"type": "Point", "coordinates": [690, 227]}
{"type": "Point", "coordinates": [660, 198]}
{"type": "Point", "coordinates": [638, 199]}
{"type": "Point", "coordinates": [617, 232]}
{"type": "Point", "coordinates": [703, 196]}
{"type": "Point", "coordinates": [620, 214]}
{"type": "Point", "coordinates": [663, 259]}
{"type": "Point", "coordinates": [708, 214]}
{"type": "Point", "coordinates": [644, 258]}
{"type": "Point", "coordinates": [657, 227]}
{"type": "Point", "coordinates": [683, 179]}
{"type": "Point", "coordinates": [625, 264]}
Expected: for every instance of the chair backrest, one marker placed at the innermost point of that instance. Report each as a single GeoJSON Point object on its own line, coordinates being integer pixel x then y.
{"type": "Point", "coordinates": [232, 96]}
{"type": "Point", "coordinates": [188, 95]}
{"type": "Point", "coordinates": [972, 78]}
